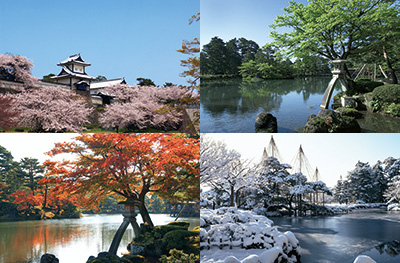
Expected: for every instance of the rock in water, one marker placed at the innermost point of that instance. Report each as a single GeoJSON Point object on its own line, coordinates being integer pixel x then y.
{"type": "Point", "coordinates": [49, 258]}
{"type": "Point", "coordinates": [266, 122]}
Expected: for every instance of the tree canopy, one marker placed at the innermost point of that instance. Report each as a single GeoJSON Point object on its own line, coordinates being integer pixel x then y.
{"type": "Point", "coordinates": [334, 29]}
{"type": "Point", "coordinates": [142, 107]}
{"type": "Point", "coordinates": [51, 109]}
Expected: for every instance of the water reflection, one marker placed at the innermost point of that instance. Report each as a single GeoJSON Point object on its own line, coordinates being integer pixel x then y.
{"type": "Point", "coordinates": [232, 105]}
{"type": "Point", "coordinates": [376, 122]}
{"type": "Point", "coordinates": [71, 240]}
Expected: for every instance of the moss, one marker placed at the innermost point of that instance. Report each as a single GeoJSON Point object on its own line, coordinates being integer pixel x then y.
{"type": "Point", "coordinates": [133, 259]}
{"type": "Point", "coordinates": [181, 239]}
{"type": "Point", "coordinates": [179, 223]}
{"type": "Point", "coordinates": [388, 93]}
{"type": "Point", "coordinates": [350, 112]}
{"type": "Point", "coordinates": [160, 231]}
{"type": "Point", "coordinates": [318, 121]}
{"type": "Point", "coordinates": [178, 256]}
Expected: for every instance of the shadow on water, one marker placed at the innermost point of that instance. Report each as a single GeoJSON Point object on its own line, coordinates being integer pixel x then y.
{"type": "Point", "coordinates": [376, 122]}
{"type": "Point", "coordinates": [386, 252]}
{"type": "Point", "coordinates": [342, 238]}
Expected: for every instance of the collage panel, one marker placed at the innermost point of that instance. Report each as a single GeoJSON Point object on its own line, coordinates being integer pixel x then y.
{"type": "Point", "coordinates": [299, 198]}
{"type": "Point", "coordinates": [104, 197]}
{"type": "Point", "coordinates": [321, 77]}
{"type": "Point", "coordinates": [307, 66]}
{"type": "Point", "coordinates": [99, 131]}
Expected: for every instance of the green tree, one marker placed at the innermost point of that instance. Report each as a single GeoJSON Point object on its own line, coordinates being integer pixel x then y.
{"type": "Point", "coordinates": [214, 57]}
{"type": "Point", "coordinates": [248, 49]}
{"type": "Point", "coordinates": [233, 59]}
{"type": "Point", "coordinates": [10, 172]}
{"type": "Point", "coordinates": [101, 78]}
{"type": "Point", "coordinates": [32, 170]}
{"type": "Point", "coordinates": [248, 69]}
{"type": "Point", "coordinates": [334, 29]}
{"type": "Point", "coordinates": [145, 82]}
{"type": "Point", "coordinates": [48, 78]}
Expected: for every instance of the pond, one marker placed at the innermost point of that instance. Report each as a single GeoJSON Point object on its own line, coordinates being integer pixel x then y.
{"type": "Point", "coordinates": [342, 238]}
{"type": "Point", "coordinates": [231, 106]}
{"type": "Point", "coordinates": [71, 240]}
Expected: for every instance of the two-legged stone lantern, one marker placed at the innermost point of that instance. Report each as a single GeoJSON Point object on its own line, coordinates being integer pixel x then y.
{"type": "Point", "coordinates": [339, 75]}
{"type": "Point", "coordinates": [129, 218]}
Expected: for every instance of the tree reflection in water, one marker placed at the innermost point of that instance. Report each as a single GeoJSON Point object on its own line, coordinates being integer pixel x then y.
{"type": "Point", "coordinates": [391, 248]}
{"type": "Point", "coordinates": [239, 101]}
{"type": "Point", "coordinates": [29, 241]}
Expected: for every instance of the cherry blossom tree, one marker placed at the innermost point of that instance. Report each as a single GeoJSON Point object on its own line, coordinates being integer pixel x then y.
{"type": "Point", "coordinates": [16, 68]}
{"type": "Point", "coordinates": [142, 107]}
{"type": "Point", "coordinates": [51, 109]}
{"type": "Point", "coordinates": [7, 116]}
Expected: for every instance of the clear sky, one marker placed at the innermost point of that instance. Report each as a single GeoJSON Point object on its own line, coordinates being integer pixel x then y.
{"type": "Point", "coordinates": [33, 145]}
{"type": "Point", "coordinates": [250, 19]}
{"type": "Point", "coordinates": [333, 154]}
{"type": "Point", "coordinates": [123, 38]}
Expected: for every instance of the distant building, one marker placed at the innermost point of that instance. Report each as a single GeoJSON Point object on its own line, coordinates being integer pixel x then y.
{"type": "Point", "coordinates": [98, 93]}
{"type": "Point", "coordinates": [73, 74]}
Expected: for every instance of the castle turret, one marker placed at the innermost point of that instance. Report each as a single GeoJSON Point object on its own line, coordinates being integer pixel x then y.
{"type": "Point", "coordinates": [73, 73]}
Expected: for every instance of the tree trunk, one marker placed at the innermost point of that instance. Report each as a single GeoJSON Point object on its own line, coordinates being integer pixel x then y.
{"type": "Point", "coordinates": [145, 214]}
{"type": "Point", "coordinates": [389, 64]}
{"type": "Point", "coordinates": [232, 197]}
{"type": "Point", "coordinates": [348, 75]}
{"type": "Point", "coordinates": [237, 199]}
{"type": "Point", "coordinates": [45, 197]}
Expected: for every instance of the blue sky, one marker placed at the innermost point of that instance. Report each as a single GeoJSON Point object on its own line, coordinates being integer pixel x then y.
{"type": "Point", "coordinates": [250, 19]}
{"type": "Point", "coordinates": [333, 154]}
{"type": "Point", "coordinates": [123, 38]}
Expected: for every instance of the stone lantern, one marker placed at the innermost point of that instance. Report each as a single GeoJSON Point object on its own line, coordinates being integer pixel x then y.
{"type": "Point", "coordinates": [129, 218]}
{"type": "Point", "coordinates": [338, 75]}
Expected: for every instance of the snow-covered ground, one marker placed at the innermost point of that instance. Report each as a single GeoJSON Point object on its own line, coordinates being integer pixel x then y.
{"type": "Point", "coordinates": [231, 235]}
{"type": "Point", "coordinates": [393, 207]}
{"type": "Point", "coordinates": [342, 208]}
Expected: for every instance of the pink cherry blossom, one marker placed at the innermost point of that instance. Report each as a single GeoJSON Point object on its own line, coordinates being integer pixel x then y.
{"type": "Point", "coordinates": [51, 109]}
{"type": "Point", "coordinates": [144, 107]}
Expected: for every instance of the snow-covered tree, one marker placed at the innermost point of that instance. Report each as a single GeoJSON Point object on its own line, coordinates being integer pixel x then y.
{"type": "Point", "coordinates": [273, 177]}
{"type": "Point", "coordinates": [392, 170]}
{"type": "Point", "coordinates": [214, 155]}
{"type": "Point", "coordinates": [341, 191]}
{"type": "Point", "coordinates": [232, 178]}
{"type": "Point", "coordinates": [142, 107]}
{"type": "Point", "coordinates": [16, 68]}
{"type": "Point", "coordinates": [50, 109]}
{"type": "Point", "coordinates": [364, 183]}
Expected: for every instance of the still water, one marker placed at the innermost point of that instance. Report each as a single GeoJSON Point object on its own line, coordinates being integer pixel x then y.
{"type": "Point", "coordinates": [342, 238]}
{"type": "Point", "coordinates": [232, 105]}
{"type": "Point", "coordinates": [71, 240]}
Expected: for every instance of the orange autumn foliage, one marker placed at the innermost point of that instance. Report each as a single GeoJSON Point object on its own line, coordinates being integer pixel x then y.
{"type": "Point", "coordinates": [130, 165]}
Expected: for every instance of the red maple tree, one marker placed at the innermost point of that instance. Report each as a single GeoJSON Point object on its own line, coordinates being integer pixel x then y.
{"type": "Point", "coordinates": [129, 165]}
